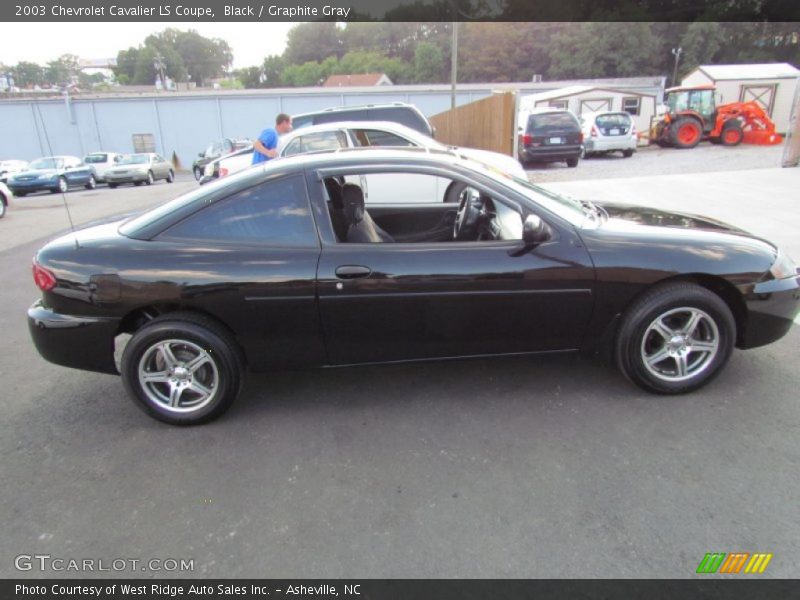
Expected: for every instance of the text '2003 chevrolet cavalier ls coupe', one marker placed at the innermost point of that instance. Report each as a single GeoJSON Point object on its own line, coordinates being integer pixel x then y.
{"type": "Point", "coordinates": [292, 265]}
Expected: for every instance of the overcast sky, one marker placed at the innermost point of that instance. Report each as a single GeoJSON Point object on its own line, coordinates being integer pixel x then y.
{"type": "Point", "coordinates": [42, 42]}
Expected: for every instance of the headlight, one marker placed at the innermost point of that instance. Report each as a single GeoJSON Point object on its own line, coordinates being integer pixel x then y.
{"type": "Point", "coordinates": [783, 267]}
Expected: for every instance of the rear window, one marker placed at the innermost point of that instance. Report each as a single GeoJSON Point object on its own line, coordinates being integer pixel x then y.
{"type": "Point", "coordinates": [403, 115]}
{"type": "Point", "coordinates": [614, 120]}
{"type": "Point", "coordinates": [548, 121]}
{"type": "Point", "coordinates": [96, 158]}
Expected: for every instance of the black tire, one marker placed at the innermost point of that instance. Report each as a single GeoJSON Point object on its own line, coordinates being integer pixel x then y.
{"type": "Point", "coordinates": [113, 185]}
{"type": "Point", "coordinates": [627, 153]}
{"type": "Point", "coordinates": [732, 133]}
{"type": "Point", "coordinates": [150, 179]}
{"type": "Point", "coordinates": [92, 183]}
{"type": "Point", "coordinates": [198, 173]}
{"type": "Point", "coordinates": [679, 133]}
{"type": "Point", "coordinates": [138, 182]}
{"type": "Point", "coordinates": [668, 304]}
{"type": "Point", "coordinates": [572, 162]}
{"type": "Point", "coordinates": [190, 333]}
{"type": "Point", "coordinates": [20, 194]}
{"type": "Point", "coordinates": [170, 176]}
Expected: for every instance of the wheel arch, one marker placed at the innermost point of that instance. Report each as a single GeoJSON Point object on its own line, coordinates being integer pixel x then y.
{"type": "Point", "coordinates": [713, 283]}
{"type": "Point", "coordinates": [141, 316]}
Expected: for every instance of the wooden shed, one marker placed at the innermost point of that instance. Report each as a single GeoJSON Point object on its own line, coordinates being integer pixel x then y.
{"type": "Point", "coordinates": [772, 85]}
{"type": "Point", "coordinates": [581, 99]}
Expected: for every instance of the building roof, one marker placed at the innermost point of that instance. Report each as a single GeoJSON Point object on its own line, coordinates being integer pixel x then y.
{"type": "Point", "coordinates": [356, 79]}
{"type": "Point", "coordinates": [750, 71]}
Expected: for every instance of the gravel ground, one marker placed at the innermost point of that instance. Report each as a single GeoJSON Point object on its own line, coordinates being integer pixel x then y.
{"type": "Point", "coordinates": [653, 160]}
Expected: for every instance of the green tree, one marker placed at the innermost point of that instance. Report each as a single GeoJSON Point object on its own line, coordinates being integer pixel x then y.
{"type": "Point", "coordinates": [428, 63]}
{"type": "Point", "coordinates": [27, 74]}
{"type": "Point", "coordinates": [305, 75]}
{"type": "Point", "coordinates": [250, 77]}
{"type": "Point", "coordinates": [272, 69]}
{"type": "Point", "coordinates": [126, 64]}
{"type": "Point", "coordinates": [701, 44]}
{"type": "Point", "coordinates": [312, 42]}
{"type": "Point", "coordinates": [62, 71]}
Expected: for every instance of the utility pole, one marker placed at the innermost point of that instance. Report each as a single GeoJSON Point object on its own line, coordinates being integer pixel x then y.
{"type": "Point", "coordinates": [676, 52]}
{"type": "Point", "coordinates": [453, 65]}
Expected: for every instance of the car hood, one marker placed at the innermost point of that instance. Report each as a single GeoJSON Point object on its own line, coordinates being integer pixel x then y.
{"type": "Point", "coordinates": [626, 216]}
{"type": "Point", "coordinates": [32, 173]}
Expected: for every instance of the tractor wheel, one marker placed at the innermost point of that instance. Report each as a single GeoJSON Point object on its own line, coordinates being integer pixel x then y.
{"type": "Point", "coordinates": [732, 134]}
{"type": "Point", "coordinates": [686, 133]}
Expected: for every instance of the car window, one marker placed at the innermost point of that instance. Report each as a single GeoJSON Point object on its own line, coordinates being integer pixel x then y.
{"type": "Point", "coordinates": [551, 121]}
{"type": "Point", "coordinates": [376, 137]}
{"type": "Point", "coordinates": [340, 115]}
{"type": "Point", "coordinates": [96, 158]}
{"type": "Point", "coordinates": [400, 114]}
{"type": "Point", "coordinates": [321, 141]}
{"type": "Point", "coordinates": [613, 120]}
{"type": "Point", "coordinates": [273, 213]}
{"type": "Point", "coordinates": [159, 158]}
{"type": "Point", "coordinates": [227, 146]}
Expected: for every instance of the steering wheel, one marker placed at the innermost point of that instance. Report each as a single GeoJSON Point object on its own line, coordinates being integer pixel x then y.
{"type": "Point", "coordinates": [468, 215]}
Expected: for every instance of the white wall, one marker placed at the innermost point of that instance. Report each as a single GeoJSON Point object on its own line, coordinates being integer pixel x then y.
{"type": "Point", "coordinates": [647, 104]}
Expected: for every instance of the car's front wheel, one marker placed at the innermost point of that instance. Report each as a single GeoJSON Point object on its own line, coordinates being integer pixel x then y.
{"type": "Point", "coordinates": [170, 176]}
{"type": "Point", "coordinates": [92, 183]}
{"type": "Point", "coordinates": [182, 369]}
{"type": "Point", "coordinates": [150, 179]}
{"type": "Point", "coordinates": [675, 338]}
{"type": "Point", "coordinates": [198, 173]}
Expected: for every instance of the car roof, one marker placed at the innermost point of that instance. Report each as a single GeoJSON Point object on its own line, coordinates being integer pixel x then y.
{"type": "Point", "coordinates": [334, 125]}
{"type": "Point", "coordinates": [355, 107]}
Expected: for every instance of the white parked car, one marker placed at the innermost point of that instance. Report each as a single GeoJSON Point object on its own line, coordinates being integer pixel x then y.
{"type": "Point", "coordinates": [102, 162]}
{"type": "Point", "coordinates": [330, 137]}
{"type": "Point", "coordinates": [9, 167]}
{"type": "Point", "coordinates": [608, 131]}
{"type": "Point", "coordinates": [5, 198]}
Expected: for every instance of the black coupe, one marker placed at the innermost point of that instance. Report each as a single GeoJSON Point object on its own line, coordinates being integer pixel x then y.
{"type": "Point", "coordinates": [311, 261]}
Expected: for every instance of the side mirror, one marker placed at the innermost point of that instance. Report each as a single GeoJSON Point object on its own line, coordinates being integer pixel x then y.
{"type": "Point", "coordinates": [534, 231]}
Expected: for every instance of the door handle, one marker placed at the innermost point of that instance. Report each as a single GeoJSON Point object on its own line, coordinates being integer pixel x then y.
{"type": "Point", "coordinates": [352, 271]}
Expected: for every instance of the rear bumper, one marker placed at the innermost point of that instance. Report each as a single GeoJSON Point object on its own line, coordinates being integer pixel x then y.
{"type": "Point", "coordinates": [71, 341]}
{"type": "Point", "coordinates": [772, 307]}
{"type": "Point", "coordinates": [549, 153]}
{"type": "Point", "coordinates": [609, 144]}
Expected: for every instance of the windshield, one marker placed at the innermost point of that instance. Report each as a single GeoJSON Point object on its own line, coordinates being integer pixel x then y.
{"type": "Point", "coordinates": [46, 163]}
{"type": "Point", "coordinates": [613, 120]}
{"type": "Point", "coordinates": [135, 159]}
{"type": "Point", "coordinates": [565, 207]}
{"type": "Point", "coordinates": [95, 158]}
{"type": "Point", "coordinates": [551, 121]}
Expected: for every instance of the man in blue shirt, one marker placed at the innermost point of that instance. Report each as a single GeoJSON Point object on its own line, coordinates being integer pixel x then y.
{"type": "Point", "coordinates": [266, 146]}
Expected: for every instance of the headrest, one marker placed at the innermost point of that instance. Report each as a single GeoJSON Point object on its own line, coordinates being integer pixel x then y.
{"type": "Point", "coordinates": [334, 189]}
{"type": "Point", "coordinates": [353, 198]}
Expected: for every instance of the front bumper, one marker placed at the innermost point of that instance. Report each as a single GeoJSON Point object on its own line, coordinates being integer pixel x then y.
{"type": "Point", "coordinates": [549, 153]}
{"type": "Point", "coordinates": [73, 341]}
{"type": "Point", "coordinates": [772, 307]}
{"type": "Point", "coordinates": [127, 178]}
{"type": "Point", "coordinates": [35, 185]}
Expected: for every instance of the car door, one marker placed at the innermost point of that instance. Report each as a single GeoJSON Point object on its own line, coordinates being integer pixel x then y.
{"type": "Point", "coordinates": [75, 171]}
{"type": "Point", "coordinates": [404, 301]}
{"type": "Point", "coordinates": [251, 258]}
{"type": "Point", "coordinates": [160, 167]}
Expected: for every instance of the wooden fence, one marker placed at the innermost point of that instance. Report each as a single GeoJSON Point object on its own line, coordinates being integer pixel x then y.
{"type": "Point", "coordinates": [487, 124]}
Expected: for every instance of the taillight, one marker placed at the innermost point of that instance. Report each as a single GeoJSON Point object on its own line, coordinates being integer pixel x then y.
{"type": "Point", "coordinates": [595, 133]}
{"type": "Point", "coordinates": [43, 278]}
{"type": "Point", "coordinates": [527, 139]}
{"type": "Point", "coordinates": [223, 172]}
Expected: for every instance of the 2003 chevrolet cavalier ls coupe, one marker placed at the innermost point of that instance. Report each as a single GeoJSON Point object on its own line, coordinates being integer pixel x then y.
{"type": "Point", "coordinates": [286, 265]}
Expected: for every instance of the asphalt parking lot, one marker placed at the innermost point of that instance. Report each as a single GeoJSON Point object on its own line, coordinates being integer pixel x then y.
{"type": "Point", "coordinates": [519, 467]}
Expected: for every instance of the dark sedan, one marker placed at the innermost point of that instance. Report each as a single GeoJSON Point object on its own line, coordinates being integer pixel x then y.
{"type": "Point", "coordinates": [289, 265]}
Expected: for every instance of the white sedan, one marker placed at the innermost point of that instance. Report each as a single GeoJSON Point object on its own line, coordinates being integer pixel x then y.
{"type": "Point", "coordinates": [390, 188]}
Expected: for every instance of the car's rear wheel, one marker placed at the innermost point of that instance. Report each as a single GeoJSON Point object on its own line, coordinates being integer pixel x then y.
{"type": "Point", "coordinates": [572, 162]}
{"type": "Point", "coordinates": [182, 369]}
{"type": "Point", "coordinates": [92, 183]}
{"type": "Point", "coordinates": [675, 338]}
{"type": "Point", "coordinates": [170, 176]}
{"type": "Point", "coordinates": [150, 179]}
{"type": "Point", "coordinates": [112, 185]}
{"type": "Point", "coordinates": [627, 153]}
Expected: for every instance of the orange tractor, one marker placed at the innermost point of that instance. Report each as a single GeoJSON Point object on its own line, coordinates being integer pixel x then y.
{"type": "Point", "coordinates": [693, 116]}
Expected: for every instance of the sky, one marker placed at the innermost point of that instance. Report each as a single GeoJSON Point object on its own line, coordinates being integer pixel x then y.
{"type": "Point", "coordinates": [42, 42]}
